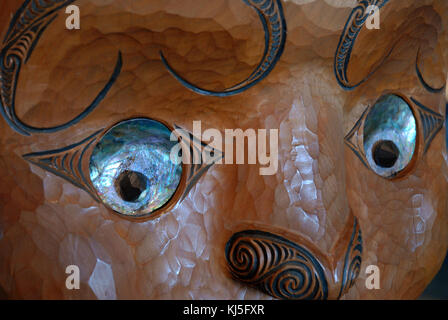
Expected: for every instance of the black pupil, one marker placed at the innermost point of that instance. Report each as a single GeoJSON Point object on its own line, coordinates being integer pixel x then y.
{"type": "Point", "coordinates": [130, 185]}
{"type": "Point", "coordinates": [385, 153]}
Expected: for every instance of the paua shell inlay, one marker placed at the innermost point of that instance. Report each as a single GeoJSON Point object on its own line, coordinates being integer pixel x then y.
{"type": "Point", "coordinates": [390, 134]}
{"type": "Point", "coordinates": [130, 167]}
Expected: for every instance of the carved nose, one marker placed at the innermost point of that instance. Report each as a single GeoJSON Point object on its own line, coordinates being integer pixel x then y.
{"type": "Point", "coordinates": [287, 269]}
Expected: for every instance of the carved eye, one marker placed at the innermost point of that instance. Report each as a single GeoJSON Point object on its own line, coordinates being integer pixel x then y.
{"type": "Point", "coordinates": [385, 137]}
{"type": "Point", "coordinates": [130, 167]}
{"type": "Point", "coordinates": [390, 134]}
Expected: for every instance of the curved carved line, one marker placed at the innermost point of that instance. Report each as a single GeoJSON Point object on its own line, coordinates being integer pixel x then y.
{"type": "Point", "coordinates": [353, 259]}
{"type": "Point", "coordinates": [347, 41]}
{"type": "Point", "coordinates": [274, 25]}
{"type": "Point", "coordinates": [200, 165]}
{"type": "Point", "coordinates": [432, 123]}
{"type": "Point", "coordinates": [276, 266]}
{"type": "Point", "coordinates": [422, 80]}
{"type": "Point", "coordinates": [352, 141]}
{"type": "Point", "coordinates": [54, 161]}
{"type": "Point", "coordinates": [25, 30]}
{"type": "Point", "coordinates": [29, 13]}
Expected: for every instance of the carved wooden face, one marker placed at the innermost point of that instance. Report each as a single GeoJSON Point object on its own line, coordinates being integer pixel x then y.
{"type": "Point", "coordinates": [355, 117]}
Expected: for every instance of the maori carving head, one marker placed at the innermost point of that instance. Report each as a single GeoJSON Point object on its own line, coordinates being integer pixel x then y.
{"type": "Point", "coordinates": [347, 124]}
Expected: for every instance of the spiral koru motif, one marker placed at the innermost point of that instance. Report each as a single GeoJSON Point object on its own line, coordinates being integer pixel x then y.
{"type": "Point", "coordinates": [353, 26]}
{"type": "Point", "coordinates": [353, 259]}
{"type": "Point", "coordinates": [276, 266]}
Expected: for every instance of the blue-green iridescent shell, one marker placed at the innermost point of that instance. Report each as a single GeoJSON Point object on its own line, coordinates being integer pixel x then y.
{"type": "Point", "coordinates": [139, 145]}
{"type": "Point", "coordinates": [391, 118]}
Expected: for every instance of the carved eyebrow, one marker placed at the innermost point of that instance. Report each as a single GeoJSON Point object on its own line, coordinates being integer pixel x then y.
{"type": "Point", "coordinates": [31, 12]}
{"type": "Point", "coordinates": [274, 25]}
{"type": "Point", "coordinates": [353, 26]}
{"type": "Point", "coordinates": [25, 30]}
{"type": "Point", "coordinates": [422, 80]}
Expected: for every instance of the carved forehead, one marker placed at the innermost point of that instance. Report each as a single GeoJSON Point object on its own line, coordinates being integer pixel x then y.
{"type": "Point", "coordinates": [82, 59]}
{"type": "Point", "coordinates": [314, 29]}
{"type": "Point", "coordinates": [327, 14]}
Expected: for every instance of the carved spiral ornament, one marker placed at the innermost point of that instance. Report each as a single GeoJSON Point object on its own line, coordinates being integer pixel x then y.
{"type": "Point", "coordinates": [276, 266]}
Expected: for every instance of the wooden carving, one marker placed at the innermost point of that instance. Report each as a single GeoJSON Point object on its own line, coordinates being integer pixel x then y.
{"type": "Point", "coordinates": [222, 149]}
